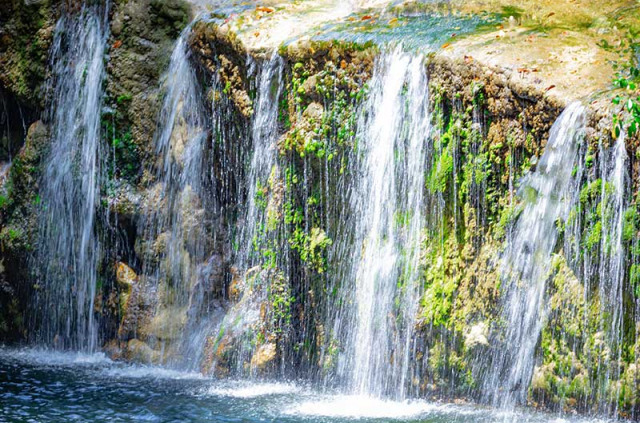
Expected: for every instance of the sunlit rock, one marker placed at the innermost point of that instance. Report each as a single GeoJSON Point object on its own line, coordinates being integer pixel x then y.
{"type": "Point", "coordinates": [477, 336]}
{"type": "Point", "coordinates": [263, 356]}
{"type": "Point", "coordinates": [125, 276]}
{"type": "Point", "coordinates": [139, 351]}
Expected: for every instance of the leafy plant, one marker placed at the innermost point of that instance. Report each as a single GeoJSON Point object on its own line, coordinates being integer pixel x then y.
{"type": "Point", "coordinates": [630, 101]}
{"type": "Point", "coordinates": [628, 80]}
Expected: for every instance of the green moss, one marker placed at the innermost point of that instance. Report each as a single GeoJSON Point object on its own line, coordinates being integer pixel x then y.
{"type": "Point", "coordinates": [124, 98]}
{"type": "Point", "coordinates": [594, 235]}
{"type": "Point", "coordinates": [441, 173]}
{"type": "Point", "coordinates": [630, 225]}
{"type": "Point", "coordinates": [280, 300]}
{"type": "Point", "coordinates": [311, 247]}
{"type": "Point", "coordinates": [117, 132]}
{"type": "Point", "coordinates": [441, 281]}
{"type": "Point", "coordinates": [508, 216]}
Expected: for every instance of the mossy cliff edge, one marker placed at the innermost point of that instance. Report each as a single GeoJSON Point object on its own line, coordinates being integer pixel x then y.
{"type": "Point", "coordinates": [488, 131]}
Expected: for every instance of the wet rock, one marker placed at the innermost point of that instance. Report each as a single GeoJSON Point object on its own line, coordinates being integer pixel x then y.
{"type": "Point", "coordinates": [26, 34]}
{"type": "Point", "coordinates": [477, 336]}
{"type": "Point", "coordinates": [470, 82]}
{"type": "Point", "coordinates": [18, 228]}
{"type": "Point", "coordinates": [217, 356]}
{"type": "Point", "coordinates": [137, 307]}
{"type": "Point", "coordinates": [235, 286]}
{"type": "Point", "coordinates": [125, 276]}
{"type": "Point", "coordinates": [167, 324]}
{"type": "Point", "coordinates": [142, 37]}
{"type": "Point", "coordinates": [305, 132]}
{"type": "Point", "coordinates": [263, 356]}
{"type": "Point", "coordinates": [212, 275]}
{"type": "Point", "coordinates": [113, 350]}
{"type": "Point", "coordinates": [205, 296]}
{"type": "Point", "coordinates": [138, 351]}
{"type": "Point", "coordinates": [221, 53]}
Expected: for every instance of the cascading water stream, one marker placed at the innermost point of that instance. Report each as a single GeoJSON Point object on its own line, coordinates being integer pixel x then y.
{"type": "Point", "coordinates": [68, 248]}
{"type": "Point", "coordinates": [174, 219]}
{"type": "Point", "coordinates": [275, 241]}
{"type": "Point", "coordinates": [612, 254]}
{"type": "Point", "coordinates": [548, 194]}
{"type": "Point", "coordinates": [386, 203]}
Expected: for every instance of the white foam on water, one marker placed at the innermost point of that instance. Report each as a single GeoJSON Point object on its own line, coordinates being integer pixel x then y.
{"type": "Point", "coordinates": [582, 419]}
{"type": "Point", "coordinates": [151, 372]}
{"type": "Point", "coordinates": [533, 416]}
{"type": "Point", "coordinates": [357, 407]}
{"type": "Point", "coordinates": [252, 389]}
{"type": "Point", "coordinates": [45, 357]}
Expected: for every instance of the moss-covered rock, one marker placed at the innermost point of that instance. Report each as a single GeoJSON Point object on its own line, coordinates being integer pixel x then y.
{"type": "Point", "coordinates": [26, 33]}
{"type": "Point", "coordinates": [18, 230]}
{"type": "Point", "coordinates": [143, 33]}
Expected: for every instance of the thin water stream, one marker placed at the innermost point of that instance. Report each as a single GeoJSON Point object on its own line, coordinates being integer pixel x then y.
{"type": "Point", "coordinates": [386, 205]}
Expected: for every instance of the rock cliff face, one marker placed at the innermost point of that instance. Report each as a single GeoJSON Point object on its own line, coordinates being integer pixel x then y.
{"type": "Point", "coordinates": [232, 258]}
{"type": "Point", "coordinates": [26, 34]}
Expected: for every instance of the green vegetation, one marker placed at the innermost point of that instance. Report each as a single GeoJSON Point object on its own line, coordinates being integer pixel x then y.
{"type": "Point", "coordinates": [627, 81]}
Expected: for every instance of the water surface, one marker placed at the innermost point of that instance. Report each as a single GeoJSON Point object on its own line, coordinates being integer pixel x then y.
{"type": "Point", "coordinates": [44, 386]}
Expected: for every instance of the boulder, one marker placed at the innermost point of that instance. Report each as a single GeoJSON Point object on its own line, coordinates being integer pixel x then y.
{"type": "Point", "coordinates": [263, 356]}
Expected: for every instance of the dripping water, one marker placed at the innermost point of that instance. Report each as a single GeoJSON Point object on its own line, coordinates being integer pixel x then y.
{"type": "Point", "coordinates": [603, 267]}
{"type": "Point", "coordinates": [612, 255]}
{"type": "Point", "coordinates": [259, 225]}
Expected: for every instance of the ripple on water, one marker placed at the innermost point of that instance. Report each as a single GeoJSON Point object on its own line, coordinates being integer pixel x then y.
{"type": "Point", "coordinates": [41, 385]}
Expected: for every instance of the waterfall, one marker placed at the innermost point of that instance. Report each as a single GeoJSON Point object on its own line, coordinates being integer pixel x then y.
{"type": "Point", "coordinates": [175, 210]}
{"type": "Point", "coordinates": [375, 318]}
{"type": "Point", "coordinates": [67, 250]}
{"type": "Point", "coordinates": [548, 193]}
